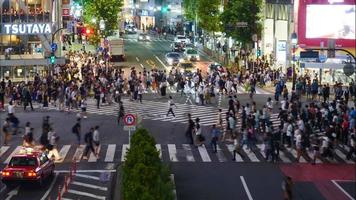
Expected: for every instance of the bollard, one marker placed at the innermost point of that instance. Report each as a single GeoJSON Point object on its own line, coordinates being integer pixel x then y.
{"type": "Point", "coordinates": [65, 184]}
{"type": "Point", "coordinates": [59, 193]}
{"type": "Point", "coordinates": [70, 173]}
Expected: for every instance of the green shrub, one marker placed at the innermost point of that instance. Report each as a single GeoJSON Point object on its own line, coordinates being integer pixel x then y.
{"type": "Point", "coordinates": [144, 177]}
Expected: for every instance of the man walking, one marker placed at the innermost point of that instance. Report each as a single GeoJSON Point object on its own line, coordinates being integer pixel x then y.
{"type": "Point", "coordinates": [189, 132]}
{"type": "Point", "coordinates": [76, 130]}
{"type": "Point", "coordinates": [215, 133]}
{"type": "Point", "coordinates": [171, 104]}
{"type": "Point", "coordinates": [88, 138]}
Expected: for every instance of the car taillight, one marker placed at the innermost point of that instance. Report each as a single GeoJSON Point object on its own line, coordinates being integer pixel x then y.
{"type": "Point", "coordinates": [31, 174]}
{"type": "Point", "coordinates": [5, 173]}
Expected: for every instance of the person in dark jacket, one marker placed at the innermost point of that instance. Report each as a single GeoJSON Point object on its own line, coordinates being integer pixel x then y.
{"type": "Point", "coordinates": [88, 138]}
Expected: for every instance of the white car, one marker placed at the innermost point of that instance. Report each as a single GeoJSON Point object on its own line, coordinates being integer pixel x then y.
{"type": "Point", "coordinates": [181, 39]}
{"type": "Point", "coordinates": [191, 54]}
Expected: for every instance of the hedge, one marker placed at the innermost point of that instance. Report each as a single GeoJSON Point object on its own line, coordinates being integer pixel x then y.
{"type": "Point", "coordinates": [144, 176]}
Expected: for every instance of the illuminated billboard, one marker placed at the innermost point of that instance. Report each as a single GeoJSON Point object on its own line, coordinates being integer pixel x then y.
{"type": "Point", "coordinates": [330, 21]}
{"type": "Point", "coordinates": [321, 20]}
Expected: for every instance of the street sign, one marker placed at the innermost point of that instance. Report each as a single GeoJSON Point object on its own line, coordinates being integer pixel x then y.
{"type": "Point", "coordinates": [129, 128]}
{"type": "Point", "coordinates": [349, 69]}
{"type": "Point", "coordinates": [129, 120]}
{"type": "Point", "coordinates": [102, 25]}
{"type": "Point", "coordinates": [54, 47]}
{"type": "Point", "coordinates": [241, 24]}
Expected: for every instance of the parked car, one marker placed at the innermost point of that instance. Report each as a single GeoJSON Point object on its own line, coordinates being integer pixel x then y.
{"type": "Point", "coordinates": [173, 58]}
{"type": "Point", "coordinates": [28, 165]}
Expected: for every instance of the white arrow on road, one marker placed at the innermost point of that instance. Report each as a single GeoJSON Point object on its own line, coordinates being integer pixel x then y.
{"type": "Point", "coordinates": [12, 193]}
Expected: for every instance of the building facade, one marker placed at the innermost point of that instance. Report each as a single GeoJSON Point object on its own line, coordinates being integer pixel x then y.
{"type": "Point", "coordinates": [26, 29]}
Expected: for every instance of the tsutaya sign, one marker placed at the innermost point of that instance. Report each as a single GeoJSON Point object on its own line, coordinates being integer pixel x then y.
{"type": "Point", "coordinates": [26, 29]}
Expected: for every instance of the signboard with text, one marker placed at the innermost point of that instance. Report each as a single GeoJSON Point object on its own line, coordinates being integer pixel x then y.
{"type": "Point", "coordinates": [26, 29]}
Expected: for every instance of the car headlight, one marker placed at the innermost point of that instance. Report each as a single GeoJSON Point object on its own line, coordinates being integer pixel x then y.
{"type": "Point", "coordinates": [140, 38]}
{"type": "Point", "coordinates": [181, 59]}
{"type": "Point", "coordinates": [148, 37]}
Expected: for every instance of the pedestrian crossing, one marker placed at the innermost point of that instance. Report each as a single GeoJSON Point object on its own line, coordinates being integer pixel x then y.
{"type": "Point", "coordinates": [151, 40]}
{"type": "Point", "coordinates": [109, 153]}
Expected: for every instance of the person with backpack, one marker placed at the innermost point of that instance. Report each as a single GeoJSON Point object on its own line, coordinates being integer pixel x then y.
{"type": "Point", "coordinates": [76, 130]}
{"type": "Point", "coordinates": [88, 139]}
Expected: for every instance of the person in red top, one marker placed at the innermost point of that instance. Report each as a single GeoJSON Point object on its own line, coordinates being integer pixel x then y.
{"type": "Point", "coordinates": [345, 130]}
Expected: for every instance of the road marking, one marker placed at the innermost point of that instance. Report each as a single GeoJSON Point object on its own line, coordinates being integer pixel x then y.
{"type": "Point", "coordinates": [138, 60]}
{"type": "Point", "coordinates": [204, 153]}
{"type": "Point", "coordinates": [2, 189]}
{"type": "Point", "coordinates": [342, 190]}
{"type": "Point", "coordinates": [92, 157]}
{"type": "Point", "coordinates": [142, 65]}
{"type": "Point", "coordinates": [90, 186]}
{"type": "Point", "coordinates": [3, 150]}
{"type": "Point", "coordinates": [87, 194]}
{"type": "Point", "coordinates": [343, 156]}
{"type": "Point", "coordinates": [86, 171]}
{"type": "Point", "coordinates": [87, 176]}
{"type": "Point", "coordinates": [110, 153]}
{"type": "Point", "coordinates": [12, 154]}
{"type": "Point", "coordinates": [220, 154]}
{"type": "Point", "coordinates": [174, 186]}
{"type": "Point", "coordinates": [159, 60]}
{"type": "Point", "coordinates": [231, 148]}
{"type": "Point", "coordinates": [44, 197]}
{"type": "Point", "coordinates": [79, 153]}
{"type": "Point", "coordinates": [246, 188]}
{"type": "Point", "coordinates": [159, 149]}
{"type": "Point", "coordinates": [125, 147]}
{"type": "Point", "coordinates": [63, 153]}
{"type": "Point", "coordinates": [294, 153]}
{"type": "Point", "coordinates": [188, 150]}
{"type": "Point", "coordinates": [251, 155]}
{"type": "Point", "coordinates": [172, 152]}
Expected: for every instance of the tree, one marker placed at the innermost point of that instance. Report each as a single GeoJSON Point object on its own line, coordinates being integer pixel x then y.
{"type": "Point", "coordinates": [209, 15]}
{"type": "Point", "coordinates": [108, 10]}
{"type": "Point", "coordinates": [143, 174]}
{"type": "Point", "coordinates": [190, 9]}
{"type": "Point", "coordinates": [242, 11]}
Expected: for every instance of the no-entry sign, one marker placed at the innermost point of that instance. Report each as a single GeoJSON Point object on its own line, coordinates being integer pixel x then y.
{"type": "Point", "coordinates": [129, 120]}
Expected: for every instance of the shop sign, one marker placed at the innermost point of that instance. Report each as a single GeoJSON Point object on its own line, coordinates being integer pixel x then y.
{"type": "Point", "coordinates": [26, 29]}
{"type": "Point", "coordinates": [65, 12]}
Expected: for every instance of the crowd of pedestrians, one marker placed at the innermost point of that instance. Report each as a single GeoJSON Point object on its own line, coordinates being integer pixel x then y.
{"type": "Point", "coordinates": [88, 76]}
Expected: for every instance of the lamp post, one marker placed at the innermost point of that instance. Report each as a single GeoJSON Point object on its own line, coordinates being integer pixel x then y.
{"type": "Point", "coordinates": [294, 40]}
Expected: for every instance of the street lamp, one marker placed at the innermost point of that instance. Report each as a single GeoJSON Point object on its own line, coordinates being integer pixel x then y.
{"type": "Point", "coordinates": [294, 40]}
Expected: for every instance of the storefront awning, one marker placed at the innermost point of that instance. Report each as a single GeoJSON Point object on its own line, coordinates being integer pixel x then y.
{"type": "Point", "coordinates": [321, 65]}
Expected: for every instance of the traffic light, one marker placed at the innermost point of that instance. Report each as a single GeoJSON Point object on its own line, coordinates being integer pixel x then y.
{"type": "Point", "coordinates": [52, 59]}
{"type": "Point", "coordinates": [258, 52]}
{"type": "Point", "coordinates": [164, 9]}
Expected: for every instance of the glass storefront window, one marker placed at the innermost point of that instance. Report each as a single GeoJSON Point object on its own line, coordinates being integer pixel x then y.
{"type": "Point", "coordinates": [20, 72]}
{"type": "Point", "coordinates": [7, 72]}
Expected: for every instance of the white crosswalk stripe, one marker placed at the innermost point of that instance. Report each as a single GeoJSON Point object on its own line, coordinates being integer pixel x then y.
{"type": "Point", "coordinates": [172, 152]}
{"type": "Point", "coordinates": [176, 153]}
{"type": "Point", "coordinates": [125, 148]}
{"type": "Point", "coordinates": [204, 153]}
{"type": "Point", "coordinates": [110, 153]}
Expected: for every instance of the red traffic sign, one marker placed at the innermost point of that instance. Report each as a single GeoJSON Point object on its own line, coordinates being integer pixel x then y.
{"type": "Point", "coordinates": [129, 120]}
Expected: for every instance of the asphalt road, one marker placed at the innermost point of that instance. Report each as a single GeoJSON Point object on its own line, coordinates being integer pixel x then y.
{"type": "Point", "coordinates": [199, 173]}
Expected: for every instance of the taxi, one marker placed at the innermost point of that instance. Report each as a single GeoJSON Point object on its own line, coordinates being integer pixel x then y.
{"type": "Point", "coordinates": [28, 165]}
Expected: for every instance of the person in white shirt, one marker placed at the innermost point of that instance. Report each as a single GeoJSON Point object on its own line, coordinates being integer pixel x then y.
{"type": "Point", "coordinates": [171, 104]}
{"type": "Point", "coordinates": [96, 141]}
{"type": "Point", "coordinates": [52, 147]}
{"type": "Point", "coordinates": [298, 143]}
{"type": "Point", "coordinates": [11, 109]}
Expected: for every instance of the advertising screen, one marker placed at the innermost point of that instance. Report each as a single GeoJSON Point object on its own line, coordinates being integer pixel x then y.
{"type": "Point", "coordinates": [330, 21]}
